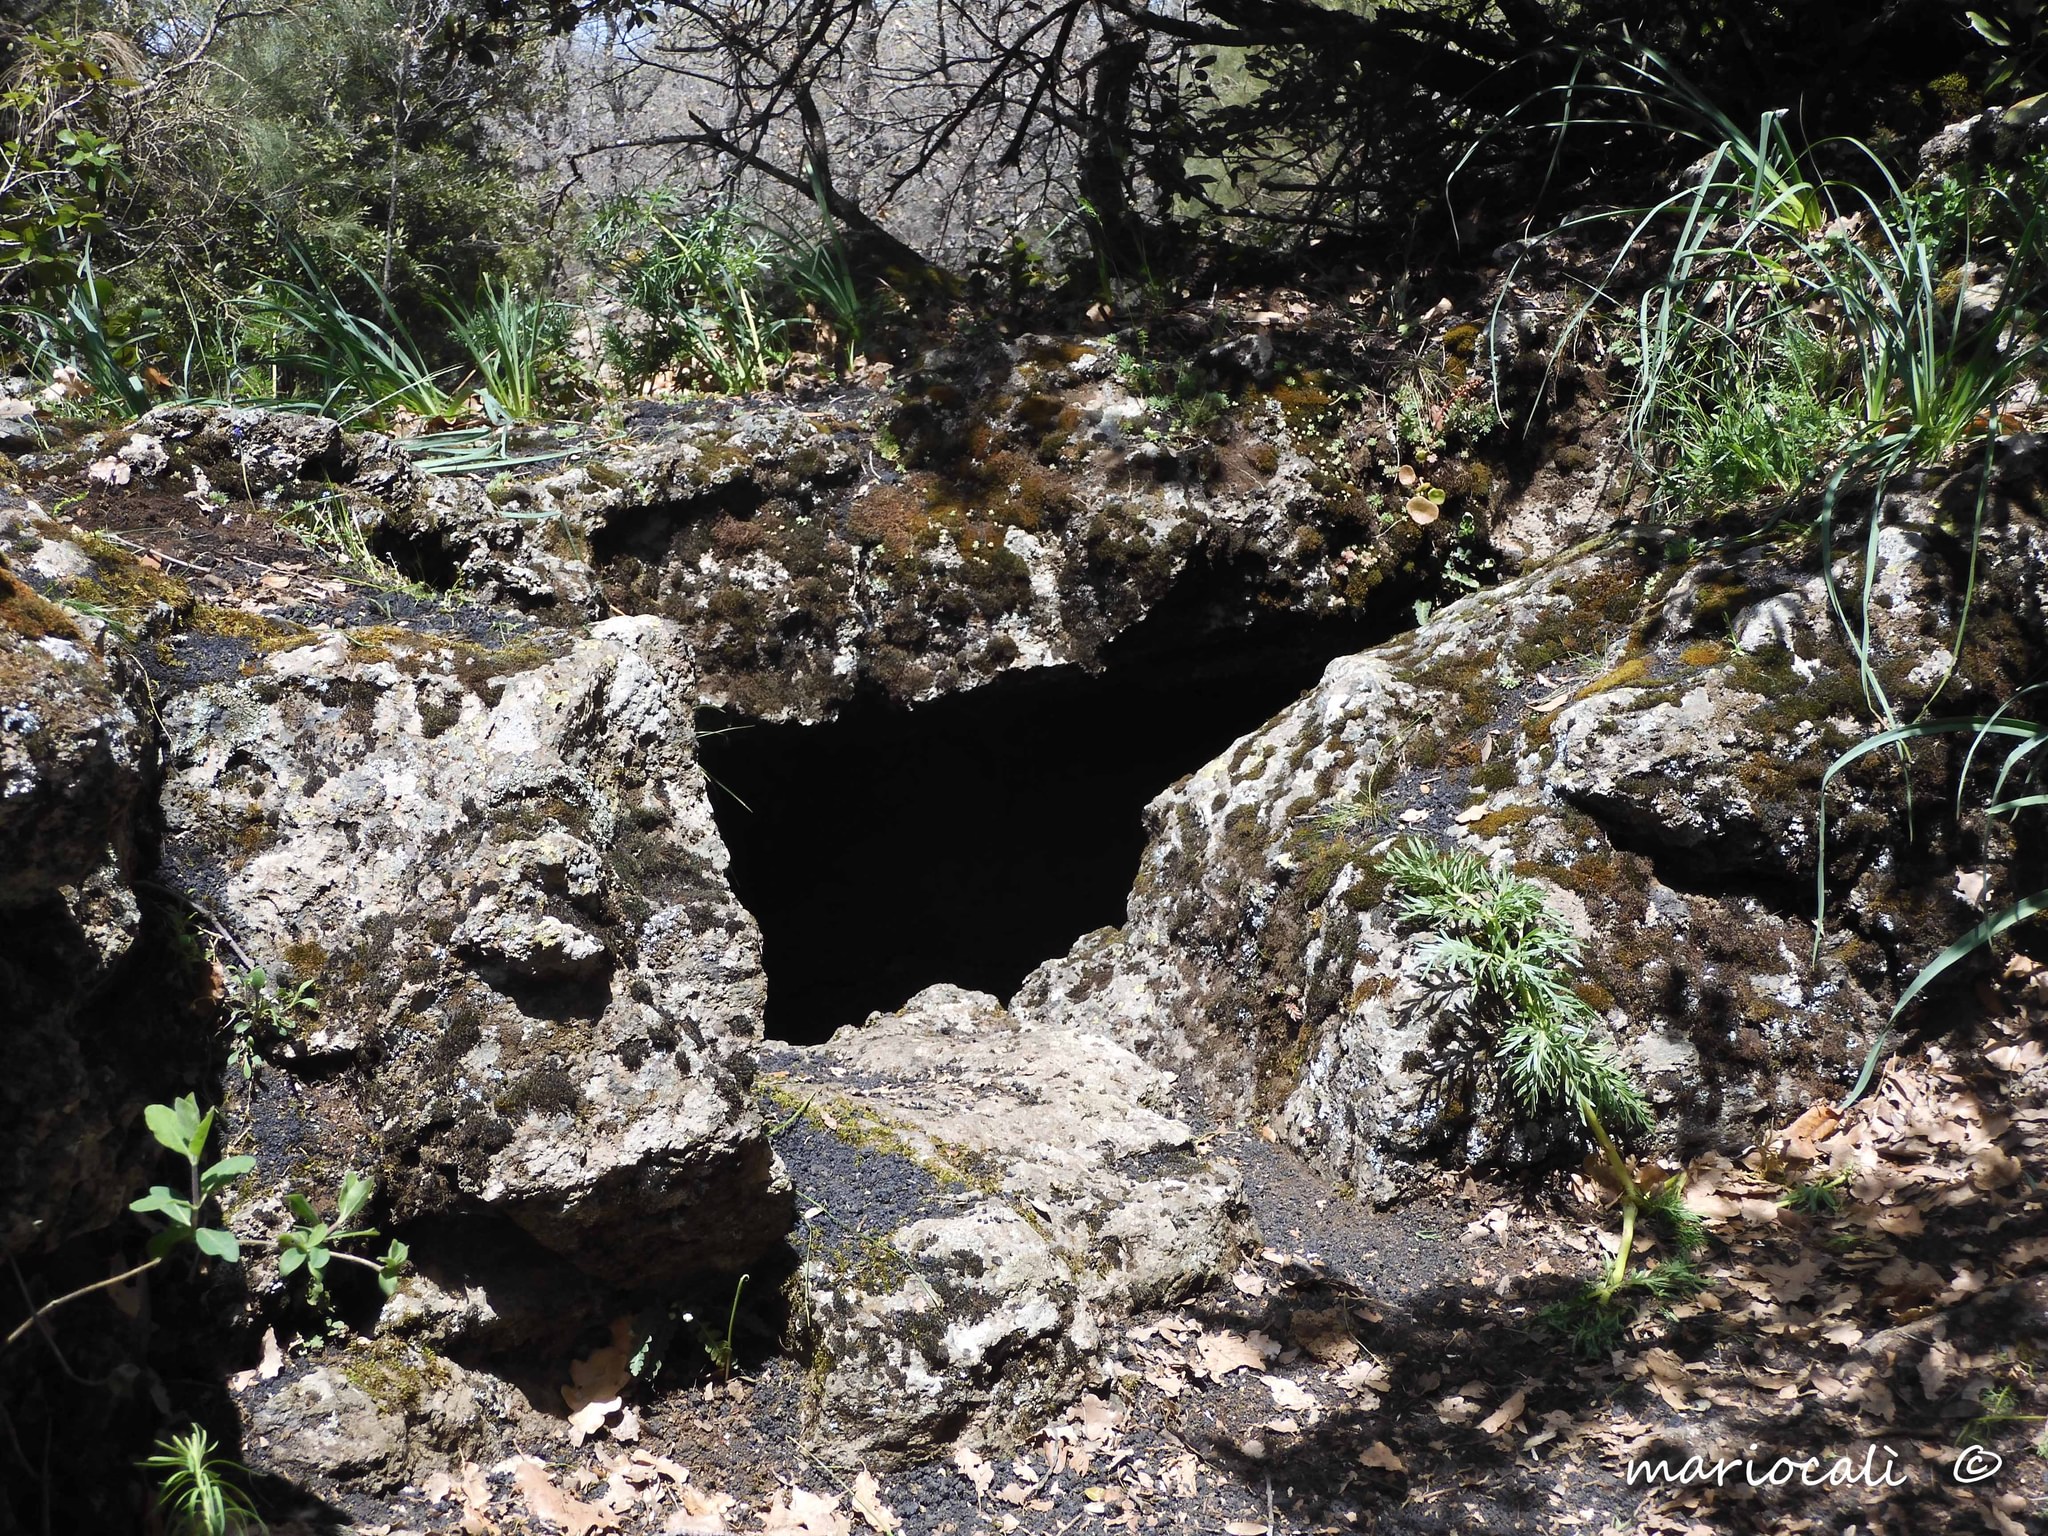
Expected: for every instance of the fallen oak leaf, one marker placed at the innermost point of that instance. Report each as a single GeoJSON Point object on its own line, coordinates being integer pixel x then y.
{"type": "Point", "coordinates": [867, 1503]}
{"type": "Point", "coordinates": [974, 1469]}
{"type": "Point", "coordinates": [1286, 1394]}
{"type": "Point", "coordinates": [1380, 1456]}
{"type": "Point", "coordinates": [1506, 1414]}
{"type": "Point", "coordinates": [1222, 1353]}
{"type": "Point", "coordinates": [812, 1514]}
{"type": "Point", "coordinates": [549, 1505]}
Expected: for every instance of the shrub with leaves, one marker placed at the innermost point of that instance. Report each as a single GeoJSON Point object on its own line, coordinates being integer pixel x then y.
{"type": "Point", "coordinates": [260, 1010]}
{"type": "Point", "coordinates": [313, 1243]}
{"type": "Point", "coordinates": [1494, 935]}
{"type": "Point", "coordinates": [183, 1128]}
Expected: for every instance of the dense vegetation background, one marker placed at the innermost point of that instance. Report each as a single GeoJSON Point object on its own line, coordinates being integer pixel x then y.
{"type": "Point", "coordinates": [359, 202]}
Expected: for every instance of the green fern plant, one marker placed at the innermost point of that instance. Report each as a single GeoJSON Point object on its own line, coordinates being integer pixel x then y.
{"type": "Point", "coordinates": [1494, 933]}
{"type": "Point", "coordinates": [201, 1495]}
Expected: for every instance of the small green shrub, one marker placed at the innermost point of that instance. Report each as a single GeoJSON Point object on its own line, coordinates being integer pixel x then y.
{"type": "Point", "coordinates": [260, 1011]}
{"type": "Point", "coordinates": [201, 1495]}
{"type": "Point", "coordinates": [512, 337]}
{"type": "Point", "coordinates": [182, 1128]}
{"type": "Point", "coordinates": [1495, 934]}
{"type": "Point", "coordinates": [698, 287]}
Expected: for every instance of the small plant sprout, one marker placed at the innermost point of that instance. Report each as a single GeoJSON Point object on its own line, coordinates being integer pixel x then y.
{"type": "Point", "coordinates": [1495, 934]}
{"type": "Point", "coordinates": [200, 1495]}
{"type": "Point", "coordinates": [720, 1350]}
{"type": "Point", "coordinates": [183, 1128]}
{"type": "Point", "coordinates": [1817, 1197]}
{"type": "Point", "coordinates": [261, 1010]}
{"type": "Point", "coordinates": [312, 1244]}
{"type": "Point", "coordinates": [2000, 1407]}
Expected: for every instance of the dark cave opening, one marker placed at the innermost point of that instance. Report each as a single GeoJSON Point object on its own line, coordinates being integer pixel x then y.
{"type": "Point", "coordinates": [974, 837]}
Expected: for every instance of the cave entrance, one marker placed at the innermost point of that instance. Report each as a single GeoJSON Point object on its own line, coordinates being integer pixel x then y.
{"type": "Point", "coordinates": [974, 837]}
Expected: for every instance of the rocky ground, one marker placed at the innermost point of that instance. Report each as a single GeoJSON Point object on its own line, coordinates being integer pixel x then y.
{"type": "Point", "coordinates": [1217, 1221]}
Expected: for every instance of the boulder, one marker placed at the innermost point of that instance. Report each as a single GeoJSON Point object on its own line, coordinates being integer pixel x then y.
{"type": "Point", "coordinates": [992, 1195]}
{"type": "Point", "coordinates": [1647, 742]}
{"type": "Point", "coordinates": [78, 763]}
{"type": "Point", "coordinates": [498, 873]}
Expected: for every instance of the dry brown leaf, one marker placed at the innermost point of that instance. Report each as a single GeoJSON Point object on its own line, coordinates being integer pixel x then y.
{"type": "Point", "coordinates": [549, 1505]}
{"type": "Point", "coordinates": [813, 1514]}
{"type": "Point", "coordinates": [1379, 1455]}
{"type": "Point", "coordinates": [1325, 1335]}
{"type": "Point", "coordinates": [265, 1369]}
{"type": "Point", "coordinates": [1287, 1394]}
{"type": "Point", "coordinates": [597, 1383]}
{"type": "Point", "coordinates": [1246, 1527]}
{"type": "Point", "coordinates": [1802, 1136]}
{"type": "Point", "coordinates": [1789, 1282]}
{"type": "Point", "coordinates": [1991, 1168]}
{"type": "Point", "coordinates": [1506, 1414]}
{"type": "Point", "coordinates": [1940, 1365]}
{"type": "Point", "coordinates": [867, 1503]}
{"type": "Point", "coordinates": [1455, 1409]}
{"type": "Point", "coordinates": [974, 1469]}
{"type": "Point", "coordinates": [1222, 1353]}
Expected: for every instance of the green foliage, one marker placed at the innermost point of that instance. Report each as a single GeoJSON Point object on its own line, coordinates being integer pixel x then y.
{"type": "Point", "coordinates": [77, 332]}
{"type": "Point", "coordinates": [1496, 934]}
{"type": "Point", "coordinates": [720, 1349]}
{"type": "Point", "coordinates": [1595, 1319]}
{"type": "Point", "coordinates": [1752, 414]}
{"type": "Point", "coordinates": [260, 1010]}
{"type": "Point", "coordinates": [309, 1245]}
{"type": "Point", "coordinates": [201, 1495]}
{"type": "Point", "coordinates": [2016, 790]}
{"type": "Point", "coordinates": [58, 162]}
{"type": "Point", "coordinates": [313, 1243]}
{"type": "Point", "coordinates": [718, 297]}
{"type": "Point", "coordinates": [182, 1129]}
{"type": "Point", "coordinates": [697, 286]}
{"type": "Point", "coordinates": [512, 337]}
{"type": "Point", "coordinates": [1999, 1407]}
{"type": "Point", "coordinates": [1817, 329]}
{"type": "Point", "coordinates": [350, 136]}
{"type": "Point", "coordinates": [1816, 1197]}
{"type": "Point", "coordinates": [360, 364]}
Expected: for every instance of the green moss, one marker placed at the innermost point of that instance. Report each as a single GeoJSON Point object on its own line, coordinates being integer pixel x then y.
{"type": "Point", "coordinates": [121, 581]}
{"type": "Point", "coordinates": [240, 624]}
{"type": "Point", "coordinates": [30, 615]}
{"type": "Point", "coordinates": [305, 957]}
{"type": "Point", "coordinates": [1498, 773]}
{"type": "Point", "coordinates": [398, 1376]}
{"type": "Point", "coordinates": [1632, 672]}
{"type": "Point", "coordinates": [1493, 823]}
{"type": "Point", "coordinates": [545, 1090]}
